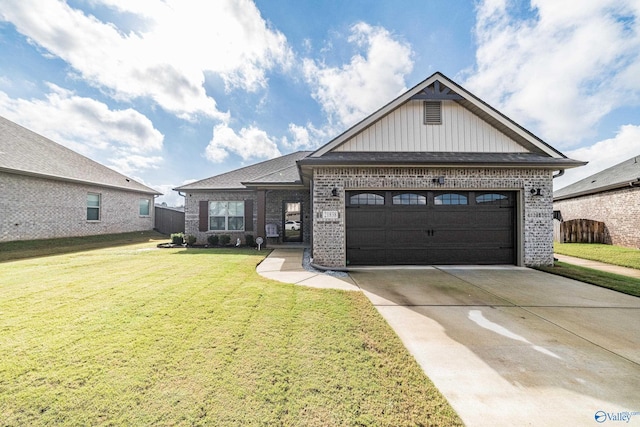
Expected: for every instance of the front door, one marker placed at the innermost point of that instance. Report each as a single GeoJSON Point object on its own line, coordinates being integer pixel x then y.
{"type": "Point", "coordinates": [292, 221]}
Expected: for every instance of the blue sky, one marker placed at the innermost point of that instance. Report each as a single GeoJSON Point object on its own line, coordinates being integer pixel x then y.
{"type": "Point", "coordinates": [171, 91]}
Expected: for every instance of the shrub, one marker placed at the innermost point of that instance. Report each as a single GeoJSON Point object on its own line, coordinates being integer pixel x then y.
{"type": "Point", "coordinates": [191, 239]}
{"type": "Point", "coordinates": [213, 240]}
{"type": "Point", "coordinates": [177, 238]}
{"type": "Point", "coordinates": [249, 241]}
{"type": "Point", "coordinates": [225, 239]}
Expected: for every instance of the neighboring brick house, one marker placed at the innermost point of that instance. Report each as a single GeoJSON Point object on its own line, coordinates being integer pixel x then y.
{"type": "Point", "coordinates": [49, 191]}
{"type": "Point", "coordinates": [611, 196]}
{"type": "Point", "coordinates": [436, 176]}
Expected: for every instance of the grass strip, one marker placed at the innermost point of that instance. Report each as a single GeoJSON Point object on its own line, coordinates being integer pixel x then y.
{"type": "Point", "coordinates": [616, 255]}
{"type": "Point", "coordinates": [616, 282]}
{"type": "Point", "coordinates": [135, 335]}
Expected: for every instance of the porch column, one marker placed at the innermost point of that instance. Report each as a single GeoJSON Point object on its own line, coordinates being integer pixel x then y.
{"type": "Point", "coordinates": [262, 212]}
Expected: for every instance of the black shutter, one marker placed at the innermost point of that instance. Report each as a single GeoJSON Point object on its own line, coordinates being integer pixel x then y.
{"type": "Point", "coordinates": [204, 215]}
{"type": "Point", "coordinates": [248, 215]}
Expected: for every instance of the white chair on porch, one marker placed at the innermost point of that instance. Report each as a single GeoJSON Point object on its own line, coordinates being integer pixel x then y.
{"type": "Point", "coordinates": [271, 231]}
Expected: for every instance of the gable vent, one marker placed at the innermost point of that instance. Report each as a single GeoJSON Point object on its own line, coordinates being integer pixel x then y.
{"type": "Point", "coordinates": [432, 113]}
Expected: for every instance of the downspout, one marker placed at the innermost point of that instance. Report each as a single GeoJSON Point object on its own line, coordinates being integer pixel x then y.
{"type": "Point", "coordinates": [559, 174]}
{"type": "Point", "coordinates": [185, 210]}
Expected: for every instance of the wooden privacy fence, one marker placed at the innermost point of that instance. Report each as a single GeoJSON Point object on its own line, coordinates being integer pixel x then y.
{"type": "Point", "coordinates": [582, 231]}
{"type": "Point", "coordinates": [169, 220]}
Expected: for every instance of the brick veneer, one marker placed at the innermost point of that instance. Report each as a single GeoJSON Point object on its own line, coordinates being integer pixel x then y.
{"type": "Point", "coordinates": [273, 211]}
{"type": "Point", "coordinates": [37, 208]}
{"type": "Point", "coordinates": [535, 213]}
{"type": "Point", "coordinates": [618, 209]}
{"type": "Point", "coordinates": [275, 198]}
{"type": "Point", "coordinates": [192, 209]}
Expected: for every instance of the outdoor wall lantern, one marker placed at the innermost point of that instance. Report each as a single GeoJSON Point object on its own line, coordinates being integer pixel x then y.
{"type": "Point", "coordinates": [536, 192]}
{"type": "Point", "coordinates": [334, 192]}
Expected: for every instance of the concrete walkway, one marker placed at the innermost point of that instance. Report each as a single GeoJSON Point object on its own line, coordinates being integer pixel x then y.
{"type": "Point", "coordinates": [285, 265]}
{"type": "Point", "coordinates": [624, 271]}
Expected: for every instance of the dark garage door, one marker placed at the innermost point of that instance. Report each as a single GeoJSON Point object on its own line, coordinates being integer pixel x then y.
{"type": "Point", "coordinates": [430, 227]}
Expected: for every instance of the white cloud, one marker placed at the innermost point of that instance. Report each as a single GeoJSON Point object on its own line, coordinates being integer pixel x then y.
{"type": "Point", "coordinates": [602, 155]}
{"type": "Point", "coordinates": [561, 71]}
{"type": "Point", "coordinates": [306, 137]}
{"type": "Point", "coordinates": [167, 58]}
{"type": "Point", "coordinates": [372, 77]}
{"type": "Point", "coordinates": [88, 126]}
{"type": "Point", "coordinates": [249, 143]}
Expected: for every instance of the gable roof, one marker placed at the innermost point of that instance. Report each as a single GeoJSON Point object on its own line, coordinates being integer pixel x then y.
{"type": "Point", "coordinates": [438, 86]}
{"type": "Point", "coordinates": [25, 152]}
{"type": "Point", "coordinates": [625, 174]}
{"type": "Point", "coordinates": [281, 171]}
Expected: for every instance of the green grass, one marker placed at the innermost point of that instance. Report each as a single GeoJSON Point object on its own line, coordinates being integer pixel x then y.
{"type": "Point", "coordinates": [616, 255]}
{"type": "Point", "coordinates": [135, 335]}
{"type": "Point", "coordinates": [46, 247]}
{"type": "Point", "coordinates": [627, 285]}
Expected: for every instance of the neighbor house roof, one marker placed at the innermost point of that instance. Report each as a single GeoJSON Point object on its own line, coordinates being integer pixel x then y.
{"type": "Point", "coordinates": [25, 152]}
{"type": "Point", "coordinates": [281, 171]}
{"type": "Point", "coordinates": [624, 174]}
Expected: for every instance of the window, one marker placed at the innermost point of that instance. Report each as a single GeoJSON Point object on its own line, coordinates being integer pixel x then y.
{"type": "Point", "coordinates": [432, 112]}
{"type": "Point", "coordinates": [226, 216]}
{"type": "Point", "coordinates": [492, 198]}
{"type": "Point", "coordinates": [366, 199]}
{"type": "Point", "coordinates": [409, 199]}
{"type": "Point", "coordinates": [93, 207]}
{"type": "Point", "coordinates": [144, 207]}
{"type": "Point", "coordinates": [450, 199]}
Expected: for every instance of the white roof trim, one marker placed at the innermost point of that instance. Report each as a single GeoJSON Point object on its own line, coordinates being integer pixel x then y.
{"type": "Point", "coordinates": [486, 108]}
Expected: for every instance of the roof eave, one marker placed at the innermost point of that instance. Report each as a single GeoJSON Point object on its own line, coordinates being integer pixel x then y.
{"type": "Point", "coordinates": [624, 184]}
{"type": "Point", "coordinates": [282, 184]}
{"type": "Point", "coordinates": [557, 165]}
{"type": "Point", "coordinates": [79, 181]}
{"type": "Point", "coordinates": [196, 189]}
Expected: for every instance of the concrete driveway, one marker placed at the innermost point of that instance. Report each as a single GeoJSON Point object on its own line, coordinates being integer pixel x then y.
{"type": "Point", "coordinates": [514, 346]}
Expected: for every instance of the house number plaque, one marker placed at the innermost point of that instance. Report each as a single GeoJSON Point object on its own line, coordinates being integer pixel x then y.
{"type": "Point", "coordinates": [329, 214]}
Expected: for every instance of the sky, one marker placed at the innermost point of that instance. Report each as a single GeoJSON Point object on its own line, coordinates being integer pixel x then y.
{"type": "Point", "coordinates": [172, 91]}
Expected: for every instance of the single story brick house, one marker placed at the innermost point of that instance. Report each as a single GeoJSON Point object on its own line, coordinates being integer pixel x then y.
{"type": "Point", "coordinates": [49, 191]}
{"type": "Point", "coordinates": [436, 176]}
{"type": "Point", "coordinates": [611, 196]}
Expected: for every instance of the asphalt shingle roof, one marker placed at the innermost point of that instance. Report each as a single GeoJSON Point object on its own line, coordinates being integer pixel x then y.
{"type": "Point", "coordinates": [28, 153]}
{"type": "Point", "coordinates": [616, 176]}
{"type": "Point", "coordinates": [275, 171]}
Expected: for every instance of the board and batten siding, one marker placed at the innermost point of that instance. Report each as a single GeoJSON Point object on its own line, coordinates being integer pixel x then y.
{"type": "Point", "coordinates": [404, 130]}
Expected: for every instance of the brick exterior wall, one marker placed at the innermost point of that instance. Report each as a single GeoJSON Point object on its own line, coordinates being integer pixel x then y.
{"type": "Point", "coordinates": [273, 211]}
{"type": "Point", "coordinates": [192, 209]}
{"type": "Point", "coordinates": [275, 198]}
{"type": "Point", "coordinates": [618, 209]}
{"type": "Point", "coordinates": [535, 213]}
{"type": "Point", "coordinates": [37, 208]}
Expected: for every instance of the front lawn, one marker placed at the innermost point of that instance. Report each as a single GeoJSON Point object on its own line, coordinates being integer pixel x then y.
{"type": "Point", "coordinates": [616, 255]}
{"type": "Point", "coordinates": [135, 335]}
